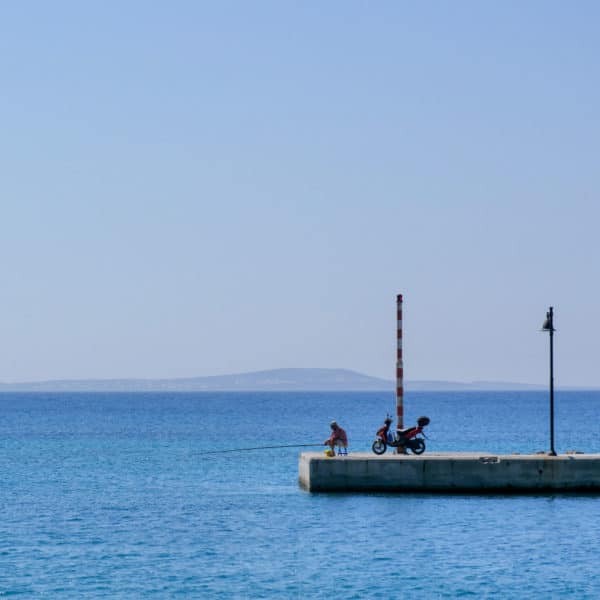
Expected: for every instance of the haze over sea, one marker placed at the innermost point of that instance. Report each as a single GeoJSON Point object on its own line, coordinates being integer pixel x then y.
{"type": "Point", "coordinates": [109, 495]}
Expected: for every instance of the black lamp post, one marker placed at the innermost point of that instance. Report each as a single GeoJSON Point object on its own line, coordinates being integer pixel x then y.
{"type": "Point", "coordinates": [549, 327]}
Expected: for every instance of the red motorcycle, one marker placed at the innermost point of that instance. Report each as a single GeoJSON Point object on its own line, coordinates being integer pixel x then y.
{"type": "Point", "coordinates": [411, 438]}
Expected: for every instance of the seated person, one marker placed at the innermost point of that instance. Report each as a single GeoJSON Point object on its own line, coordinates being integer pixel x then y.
{"type": "Point", "coordinates": [338, 438]}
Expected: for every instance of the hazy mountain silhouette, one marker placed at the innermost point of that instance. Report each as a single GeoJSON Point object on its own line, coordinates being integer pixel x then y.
{"type": "Point", "coordinates": [271, 380]}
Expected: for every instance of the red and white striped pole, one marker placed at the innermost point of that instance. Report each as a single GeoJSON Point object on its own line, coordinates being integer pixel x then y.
{"type": "Point", "coordinates": [399, 368]}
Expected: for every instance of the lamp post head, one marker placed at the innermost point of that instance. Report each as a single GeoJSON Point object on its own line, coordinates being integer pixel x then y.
{"type": "Point", "coordinates": [549, 322]}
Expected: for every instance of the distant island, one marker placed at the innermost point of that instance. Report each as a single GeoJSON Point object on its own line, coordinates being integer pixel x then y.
{"type": "Point", "coordinates": [284, 380]}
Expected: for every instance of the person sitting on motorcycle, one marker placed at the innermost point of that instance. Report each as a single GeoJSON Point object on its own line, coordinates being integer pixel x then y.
{"type": "Point", "coordinates": [338, 438]}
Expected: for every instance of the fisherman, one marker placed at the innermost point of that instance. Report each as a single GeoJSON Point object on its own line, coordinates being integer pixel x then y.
{"type": "Point", "coordinates": [338, 438]}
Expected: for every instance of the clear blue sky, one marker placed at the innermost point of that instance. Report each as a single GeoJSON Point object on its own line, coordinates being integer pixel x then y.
{"type": "Point", "coordinates": [198, 188]}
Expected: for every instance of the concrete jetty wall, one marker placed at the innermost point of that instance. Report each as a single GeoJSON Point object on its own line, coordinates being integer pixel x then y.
{"type": "Point", "coordinates": [449, 472]}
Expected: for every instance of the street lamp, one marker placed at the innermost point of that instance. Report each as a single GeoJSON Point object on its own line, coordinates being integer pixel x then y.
{"type": "Point", "coordinates": [549, 327]}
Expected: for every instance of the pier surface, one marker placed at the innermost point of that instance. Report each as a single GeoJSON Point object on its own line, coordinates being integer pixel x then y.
{"type": "Point", "coordinates": [475, 472]}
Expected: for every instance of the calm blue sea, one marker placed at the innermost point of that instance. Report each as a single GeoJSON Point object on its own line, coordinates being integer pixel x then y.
{"type": "Point", "coordinates": [109, 495]}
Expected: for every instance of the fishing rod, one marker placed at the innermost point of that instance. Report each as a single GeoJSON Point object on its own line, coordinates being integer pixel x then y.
{"type": "Point", "coordinates": [259, 448]}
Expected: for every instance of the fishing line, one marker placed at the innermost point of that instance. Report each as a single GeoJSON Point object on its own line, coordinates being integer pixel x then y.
{"type": "Point", "coordinates": [259, 448]}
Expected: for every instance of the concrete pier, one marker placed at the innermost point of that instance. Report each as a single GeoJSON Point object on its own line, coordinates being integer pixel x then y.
{"type": "Point", "coordinates": [474, 472]}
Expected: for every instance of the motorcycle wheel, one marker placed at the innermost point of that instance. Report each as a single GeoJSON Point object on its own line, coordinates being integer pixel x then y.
{"type": "Point", "coordinates": [379, 446]}
{"type": "Point", "coordinates": [418, 446]}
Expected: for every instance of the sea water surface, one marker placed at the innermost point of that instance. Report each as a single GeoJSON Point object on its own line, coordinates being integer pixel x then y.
{"type": "Point", "coordinates": [110, 495]}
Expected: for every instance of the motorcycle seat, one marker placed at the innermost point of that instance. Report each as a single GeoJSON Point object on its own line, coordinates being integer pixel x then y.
{"type": "Point", "coordinates": [404, 431]}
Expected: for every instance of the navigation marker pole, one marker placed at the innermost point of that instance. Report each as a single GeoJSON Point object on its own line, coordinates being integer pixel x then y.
{"type": "Point", "coordinates": [399, 368]}
{"type": "Point", "coordinates": [549, 327]}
